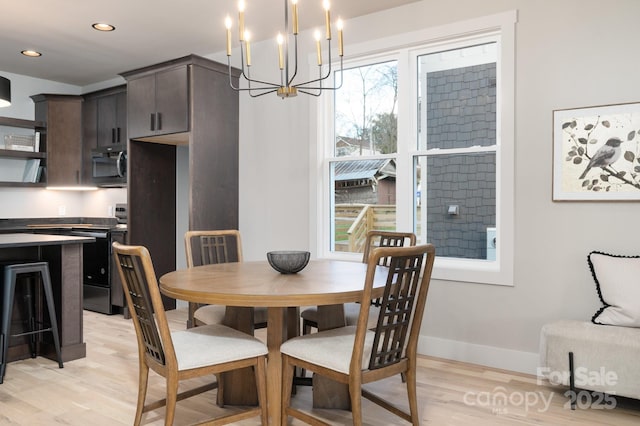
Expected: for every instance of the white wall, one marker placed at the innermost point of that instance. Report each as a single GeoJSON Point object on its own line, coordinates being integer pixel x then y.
{"type": "Point", "coordinates": [43, 203]}
{"type": "Point", "coordinates": [570, 53]}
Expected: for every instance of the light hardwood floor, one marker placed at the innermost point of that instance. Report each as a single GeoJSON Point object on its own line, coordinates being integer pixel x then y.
{"type": "Point", "coordinates": [101, 390]}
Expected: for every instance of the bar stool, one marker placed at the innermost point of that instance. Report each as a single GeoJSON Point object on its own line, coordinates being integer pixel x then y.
{"type": "Point", "coordinates": [11, 272]}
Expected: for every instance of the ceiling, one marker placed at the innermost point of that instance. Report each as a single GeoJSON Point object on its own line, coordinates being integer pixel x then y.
{"type": "Point", "coordinates": [147, 32]}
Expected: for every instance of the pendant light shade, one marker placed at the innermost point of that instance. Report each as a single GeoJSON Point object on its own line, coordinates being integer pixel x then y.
{"type": "Point", "coordinates": [5, 92]}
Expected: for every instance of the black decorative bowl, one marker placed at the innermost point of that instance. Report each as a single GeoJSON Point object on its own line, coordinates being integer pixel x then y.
{"type": "Point", "coordinates": [288, 262]}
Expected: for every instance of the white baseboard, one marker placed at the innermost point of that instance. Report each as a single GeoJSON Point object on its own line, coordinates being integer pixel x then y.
{"type": "Point", "coordinates": [490, 356]}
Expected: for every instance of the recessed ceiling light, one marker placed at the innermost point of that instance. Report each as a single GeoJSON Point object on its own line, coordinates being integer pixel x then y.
{"type": "Point", "coordinates": [31, 53]}
{"type": "Point", "coordinates": [103, 27]}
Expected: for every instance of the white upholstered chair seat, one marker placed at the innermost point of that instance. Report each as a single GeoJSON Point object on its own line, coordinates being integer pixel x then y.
{"type": "Point", "coordinates": [351, 313]}
{"type": "Point", "coordinates": [214, 314]}
{"type": "Point", "coordinates": [331, 348]}
{"type": "Point", "coordinates": [201, 346]}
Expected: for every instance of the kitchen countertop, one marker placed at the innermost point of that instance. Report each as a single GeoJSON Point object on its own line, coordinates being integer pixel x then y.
{"type": "Point", "coordinates": [25, 240]}
{"type": "Point", "coordinates": [64, 224]}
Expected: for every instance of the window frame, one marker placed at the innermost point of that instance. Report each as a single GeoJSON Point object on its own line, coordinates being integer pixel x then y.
{"type": "Point", "coordinates": [406, 48]}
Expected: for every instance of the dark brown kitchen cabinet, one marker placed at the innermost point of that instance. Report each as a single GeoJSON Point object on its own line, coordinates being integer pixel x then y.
{"type": "Point", "coordinates": [105, 117]}
{"type": "Point", "coordinates": [89, 134]}
{"type": "Point", "coordinates": [61, 137]}
{"type": "Point", "coordinates": [112, 118]}
{"type": "Point", "coordinates": [104, 125]}
{"type": "Point", "coordinates": [197, 92]}
{"type": "Point", "coordinates": [158, 102]}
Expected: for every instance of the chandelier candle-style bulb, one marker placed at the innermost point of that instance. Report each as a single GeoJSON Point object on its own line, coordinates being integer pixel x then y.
{"type": "Point", "coordinates": [241, 19]}
{"type": "Point", "coordinates": [247, 38]}
{"type": "Point", "coordinates": [327, 18]}
{"type": "Point", "coordinates": [290, 81]}
{"type": "Point", "coordinates": [280, 40]}
{"type": "Point", "coordinates": [339, 24]}
{"type": "Point", "coordinates": [294, 4]}
{"type": "Point", "coordinates": [318, 47]}
{"type": "Point", "coordinates": [227, 24]}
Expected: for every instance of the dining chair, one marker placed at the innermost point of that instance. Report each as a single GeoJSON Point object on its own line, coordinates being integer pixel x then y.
{"type": "Point", "coordinates": [213, 247]}
{"type": "Point", "coordinates": [356, 355]}
{"type": "Point", "coordinates": [374, 238]}
{"type": "Point", "coordinates": [178, 355]}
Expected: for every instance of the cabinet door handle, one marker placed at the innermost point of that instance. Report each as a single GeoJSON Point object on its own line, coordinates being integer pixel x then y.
{"type": "Point", "coordinates": [118, 133]}
{"type": "Point", "coordinates": [159, 114]}
{"type": "Point", "coordinates": [153, 121]}
{"type": "Point", "coordinates": [113, 135]}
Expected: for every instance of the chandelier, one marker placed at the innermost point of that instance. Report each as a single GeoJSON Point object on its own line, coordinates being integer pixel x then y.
{"type": "Point", "coordinates": [288, 86]}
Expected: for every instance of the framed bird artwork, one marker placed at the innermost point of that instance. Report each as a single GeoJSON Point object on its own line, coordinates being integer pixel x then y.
{"type": "Point", "coordinates": [596, 153]}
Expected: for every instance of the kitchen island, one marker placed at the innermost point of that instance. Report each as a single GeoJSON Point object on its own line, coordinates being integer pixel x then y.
{"type": "Point", "coordinates": [64, 254]}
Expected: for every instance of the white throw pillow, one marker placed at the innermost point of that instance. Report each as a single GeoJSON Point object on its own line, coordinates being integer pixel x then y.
{"type": "Point", "coordinates": [618, 283]}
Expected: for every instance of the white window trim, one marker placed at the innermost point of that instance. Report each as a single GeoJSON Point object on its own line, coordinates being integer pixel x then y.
{"type": "Point", "coordinates": [500, 271]}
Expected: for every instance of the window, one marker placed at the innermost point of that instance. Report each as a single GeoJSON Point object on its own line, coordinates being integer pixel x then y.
{"type": "Point", "coordinates": [421, 138]}
{"type": "Point", "coordinates": [456, 166]}
{"type": "Point", "coordinates": [363, 167]}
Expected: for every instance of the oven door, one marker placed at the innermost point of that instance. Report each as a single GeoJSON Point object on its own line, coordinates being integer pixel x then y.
{"type": "Point", "coordinates": [95, 275]}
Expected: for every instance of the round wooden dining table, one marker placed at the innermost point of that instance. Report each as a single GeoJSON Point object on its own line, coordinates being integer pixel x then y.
{"type": "Point", "coordinates": [324, 283]}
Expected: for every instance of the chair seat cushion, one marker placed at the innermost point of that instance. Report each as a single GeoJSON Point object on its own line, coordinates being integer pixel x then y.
{"type": "Point", "coordinates": [331, 348]}
{"type": "Point", "coordinates": [214, 314]}
{"type": "Point", "coordinates": [351, 313]}
{"type": "Point", "coordinates": [200, 346]}
{"type": "Point", "coordinates": [210, 314]}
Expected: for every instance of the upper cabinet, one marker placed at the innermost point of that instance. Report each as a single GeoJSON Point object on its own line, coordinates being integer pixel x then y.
{"type": "Point", "coordinates": [61, 137]}
{"type": "Point", "coordinates": [158, 101]}
{"type": "Point", "coordinates": [104, 130]}
{"type": "Point", "coordinates": [112, 118]}
{"type": "Point", "coordinates": [105, 118]}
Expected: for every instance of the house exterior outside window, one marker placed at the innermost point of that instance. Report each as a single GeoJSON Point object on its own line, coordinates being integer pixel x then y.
{"type": "Point", "coordinates": [420, 138]}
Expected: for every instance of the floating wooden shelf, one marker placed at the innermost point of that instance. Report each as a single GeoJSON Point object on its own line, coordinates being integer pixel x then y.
{"type": "Point", "coordinates": [21, 154]}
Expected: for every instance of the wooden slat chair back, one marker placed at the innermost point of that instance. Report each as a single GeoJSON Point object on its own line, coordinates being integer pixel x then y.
{"type": "Point", "coordinates": [210, 247]}
{"type": "Point", "coordinates": [158, 352]}
{"type": "Point", "coordinates": [376, 238]}
{"type": "Point", "coordinates": [370, 355]}
{"type": "Point", "coordinates": [396, 309]}
{"type": "Point", "coordinates": [137, 290]}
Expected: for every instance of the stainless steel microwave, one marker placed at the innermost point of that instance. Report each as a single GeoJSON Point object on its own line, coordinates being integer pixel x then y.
{"type": "Point", "coordinates": [109, 165]}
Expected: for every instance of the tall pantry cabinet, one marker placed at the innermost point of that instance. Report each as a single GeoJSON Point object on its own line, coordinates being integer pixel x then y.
{"type": "Point", "coordinates": [186, 101]}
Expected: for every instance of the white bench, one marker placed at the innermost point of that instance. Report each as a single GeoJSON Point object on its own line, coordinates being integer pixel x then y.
{"type": "Point", "coordinates": [605, 358]}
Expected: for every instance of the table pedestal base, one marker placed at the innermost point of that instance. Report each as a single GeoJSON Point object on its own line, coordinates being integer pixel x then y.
{"type": "Point", "coordinates": [244, 390]}
{"type": "Point", "coordinates": [328, 393]}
